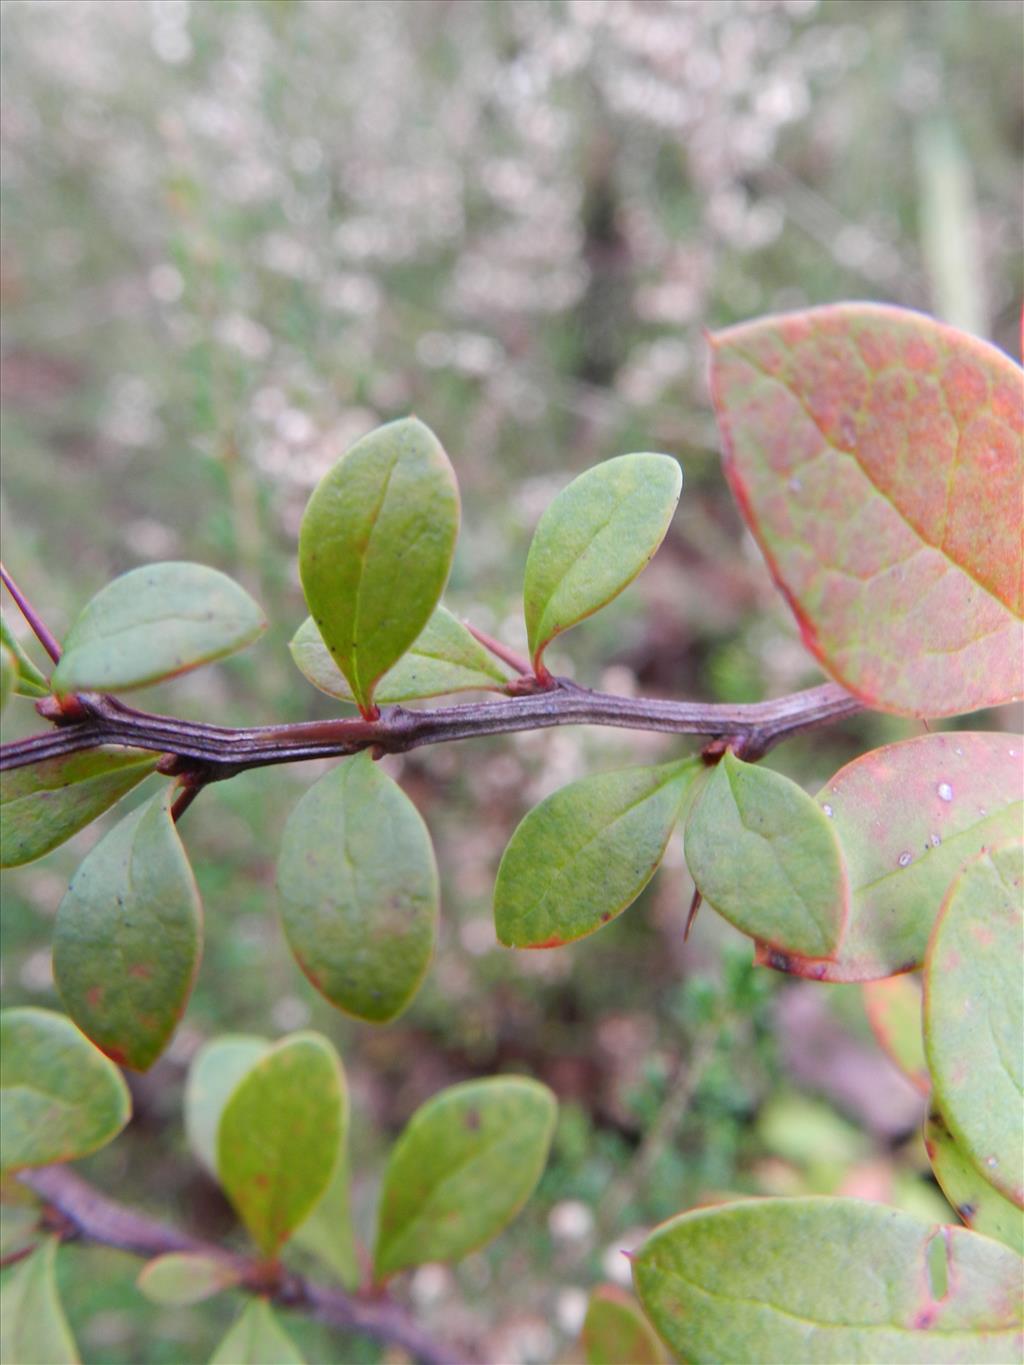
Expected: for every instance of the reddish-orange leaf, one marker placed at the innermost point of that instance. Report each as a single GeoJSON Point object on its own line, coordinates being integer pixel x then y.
{"type": "Point", "coordinates": [877, 457]}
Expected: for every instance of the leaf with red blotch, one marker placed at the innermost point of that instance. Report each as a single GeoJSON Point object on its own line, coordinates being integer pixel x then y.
{"type": "Point", "coordinates": [877, 457]}
{"type": "Point", "coordinates": [908, 816]}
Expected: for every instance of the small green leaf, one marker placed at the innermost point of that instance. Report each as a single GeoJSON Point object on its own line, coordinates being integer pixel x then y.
{"type": "Point", "coordinates": [764, 855]}
{"type": "Point", "coordinates": [465, 1165]}
{"type": "Point", "coordinates": [375, 548]}
{"type": "Point", "coordinates": [154, 623]}
{"type": "Point", "coordinates": [280, 1137]}
{"type": "Point", "coordinates": [20, 1219]}
{"type": "Point", "coordinates": [29, 682]}
{"type": "Point", "coordinates": [359, 892]}
{"type": "Point", "coordinates": [128, 936]}
{"type": "Point", "coordinates": [444, 658]}
{"type": "Point", "coordinates": [978, 1203]}
{"type": "Point", "coordinates": [594, 539]}
{"type": "Point", "coordinates": [974, 1015]}
{"type": "Point", "coordinates": [328, 1233]}
{"type": "Point", "coordinates": [893, 1008]}
{"type": "Point", "coordinates": [44, 804]}
{"type": "Point", "coordinates": [814, 1280]}
{"type": "Point", "coordinates": [60, 1098]}
{"type": "Point", "coordinates": [615, 1332]}
{"type": "Point", "coordinates": [586, 852]}
{"type": "Point", "coordinates": [216, 1070]}
{"type": "Point", "coordinates": [33, 1328]}
{"type": "Point", "coordinates": [182, 1278]}
{"type": "Point", "coordinates": [8, 675]}
{"type": "Point", "coordinates": [257, 1338]}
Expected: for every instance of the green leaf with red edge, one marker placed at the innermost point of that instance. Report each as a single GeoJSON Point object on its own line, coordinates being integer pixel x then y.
{"type": "Point", "coordinates": [464, 1166]}
{"type": "Point", "coordinates": [908, 816]}
{"type": "Point", "coordinates": [28, 680]}
{"type": "Point", "coordinates": [586, 852]}
{"type": "Point", "coordinates": [213, 1074]}
{"type": "Point", "coordinates": [375, 548]}
{"type": "Point", "coordinates": [877, 457]}
{"type": "Point", "coordinates": [33, 1328]}
{"type": "Point", "coordinates": [443, 658]}
{"type": "Point", "coordinates": [280, 1137]}
{"type": "Point", "coordinates": [978, 1203]}
{"type": "Point", "coordinates": [43, 804]}
{"type": "Point", "coordinates": [359, 891]}
{"type": "Point", "coordinates": [154, 623]}
{"type": "Point", "coordinates": [128, 936]}
{"type": "Point", "coordinates": [594, 539]}
{"type": "Point", "coordinates": [765, 856]}
{"type": "Point", "coordinates": [257, 1338]}
{"type": "Point", "coordinates": [182, 1278]}
{"type": "Point", "coordinates": [60, 1098]}
{"type": "Point", "coordinates": [893, 1008]}
{"type": "Point", "coordinates": [615, 1332]}
{"type": "Point", "coordinates": [813, 1280]}
{"type": "Point", "coordinates": [974, 1015]}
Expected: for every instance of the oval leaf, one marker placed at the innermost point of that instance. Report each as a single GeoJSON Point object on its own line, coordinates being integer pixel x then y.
{"type": "Point", "coordinates": [978, 1203]}
{"type": "Point", "coordinates": [257, 1338]}
{"type": "Point", "coordinates": [280, 1137]}
{"type": "Point", "coordinates": [154, 623]}
{"type": "Point", "coordinates": [594, 539]}
{"type": "Point", "coordinates": [974, 1015]}
{"type": "Point", "coordinates": [59, 1097]}
{"type": "Point", "coordinates": [615, 1332]}
{"type": "Point", "coordinates": [908, 816]}
{"type": "Point", "coordinates": [444, 658]}
{"type": "Point", "coordinates": [44, 804]}
{"type": "Point", "coordinates": [764, 855]}
{"type": "Point", "coordinates": [827, 1280]}
{"type": "Point", "coordinates": [877, 457]}
{"type": "Point", "coordinates": [215, 1071]}
{"type": "Point", "coordinates": [33, 1327]}
{"type": "Point", "coordinates": [182, 1278]}
{"type": "Point", "coordinates": [128, 936]}
{"type": "Point", "coordinates": [359, 892]}
{"type": "Point", "coordinates": [465, 1165]}
{"type": "Point", "coordinates": [585, 853]}
{"type": "Point", "coordinates": [893, 1008]}
{"type": "Point", "coordinates": [375, 548]}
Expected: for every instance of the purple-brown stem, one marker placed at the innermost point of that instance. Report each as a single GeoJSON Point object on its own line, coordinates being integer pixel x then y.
{"type": "Point", "coordinates": [31, 616]}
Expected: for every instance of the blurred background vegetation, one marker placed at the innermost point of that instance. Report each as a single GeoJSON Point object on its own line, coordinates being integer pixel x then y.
{"type": "Point", "coordinates": [238, 235]}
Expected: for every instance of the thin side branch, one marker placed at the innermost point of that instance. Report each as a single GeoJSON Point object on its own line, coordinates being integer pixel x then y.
{"type": "Point", "coordinates": [214, 752]}
{"type": "Point", "coordinates": [95, 1218]}
{"type": "Point", "coordinates": [30, 614]}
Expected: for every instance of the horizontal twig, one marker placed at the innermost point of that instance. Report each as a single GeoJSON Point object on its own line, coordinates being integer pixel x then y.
{"type": "Point", "coordinates": [88, 1214]}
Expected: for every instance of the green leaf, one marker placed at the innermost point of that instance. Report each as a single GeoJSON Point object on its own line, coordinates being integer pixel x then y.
{"type": "Point", "coordinates": [182, 1278]}
{"type": "Point", "coordinates": [877, 457]}
{"type": "Point", "coordinates": [764, 855]}
{"type": "Point", "coordinates": [375, 548]}
{"type": "Point", "coordinates": [257, 1338]}
{"type": "Point", "coordinates": [978, 1203]}
{"type": "Point", "coordinates": [586, 852]}
{"type": "Point", "coordinates": [154, 623]}
{"type": "Point", "coordinates": [33, 1328]}
{"type": "Point", "coordinates": [358, 890]}
{"type": "Point", "coordinates": [908, 816]}
{"type": "Point", "coordinates": [280, 1137]}
{"type": "Point", "coordinates": [216, 1070]}
{"type": "Point", "coordinates": [128, 936]}
{"type": "Point", "coordinates": [444, 658]}
{"type": "Point", "coordinates": [594, 539]}
{"type": "Point", "coordinates": [974, 1015]}
{"type": "Point", "coordinates": [893, 1008]}
{"type": "Point", "coordinates": [465, 1165]}
{"type": "Point", "coordinates": [615, 1332]}
{"type": "Point", "coordinates": [827, 1280]}
{"type": "Point", "coordinates": [20, 1219]}
{"type": "Point", "coordinates": [45, 803]}
{"type": "Point", "coordinates": [60, 1098]}
{"type": "Point", "coordinates": [328, 1233]}
{"type": "Point", "coordinates": [8, 675]}
{"type": "Point", "coordinates": [29, 682]}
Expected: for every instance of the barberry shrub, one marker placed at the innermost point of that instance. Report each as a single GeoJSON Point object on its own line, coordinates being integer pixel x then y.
{"type": "Point", "coordinates": [876, 456]}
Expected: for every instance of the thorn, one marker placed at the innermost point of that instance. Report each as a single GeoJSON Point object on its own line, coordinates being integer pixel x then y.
{"type": "Point", "coordinates": [695, 905]}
